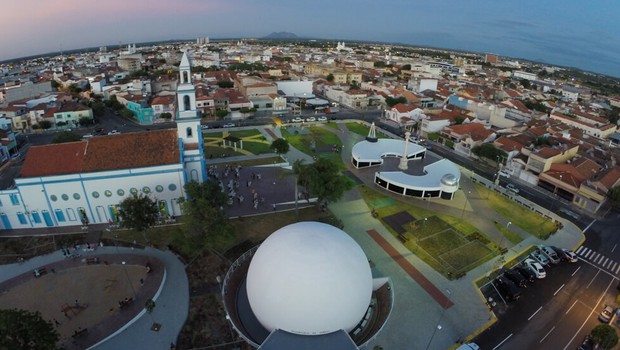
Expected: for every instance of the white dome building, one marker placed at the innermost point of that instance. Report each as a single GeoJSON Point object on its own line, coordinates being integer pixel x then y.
{"type": "Point", "coordinates": [310, 269]}
{"type": "Point", "coordinates": [307, 286]}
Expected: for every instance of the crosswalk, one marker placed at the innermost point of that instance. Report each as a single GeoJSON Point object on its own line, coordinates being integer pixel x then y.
{"type": "Point", "coordinates": [598, 259]}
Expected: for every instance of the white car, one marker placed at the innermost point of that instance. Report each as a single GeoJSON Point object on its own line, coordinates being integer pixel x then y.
{"type": "Point", "coordinates": [311, 119]}
{"type": "Point", "coordinates": [540, 257]}
{"type": "Point", "coordinates": [570, 256]}
{"type": "Point", "coordinates": [535, 267]}
{"type": "Point", "coordinates": [322, 119]}
{"type": "Point", "coordinates": [296, 120]}
{"type": "Point", "coordinates": [229, 125]}
{"type": "Point", "coordinates": [114, 132]}
{"type": "Point", "coordinates": [512, 188]}
{"type": "Point", "coordinates": [504, 173]}
{"type": "Point", "coordinates": [204, 127]}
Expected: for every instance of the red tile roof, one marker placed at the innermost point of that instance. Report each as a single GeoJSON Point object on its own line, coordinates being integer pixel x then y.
{"type": "Point", "coordinates": [114, 152]}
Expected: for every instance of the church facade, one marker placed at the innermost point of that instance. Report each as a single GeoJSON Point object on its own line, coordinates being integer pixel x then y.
{"type": "Point", "coordinates": [84, 182]}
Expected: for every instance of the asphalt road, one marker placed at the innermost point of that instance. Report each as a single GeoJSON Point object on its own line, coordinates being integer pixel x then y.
{"type": "Point", "coordinates": [553, 313]}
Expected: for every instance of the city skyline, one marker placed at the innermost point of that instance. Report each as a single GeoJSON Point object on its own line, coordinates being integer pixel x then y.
{"type": "Point", "coordinates": [565, 33]}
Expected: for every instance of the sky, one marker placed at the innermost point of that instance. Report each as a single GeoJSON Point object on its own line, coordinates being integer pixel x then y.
{"type": "Point", "coordinates": [577, 33]}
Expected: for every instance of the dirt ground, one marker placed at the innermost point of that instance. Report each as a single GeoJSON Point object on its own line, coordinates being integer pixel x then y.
{"type": "Point", "coordinates": [97, 290]}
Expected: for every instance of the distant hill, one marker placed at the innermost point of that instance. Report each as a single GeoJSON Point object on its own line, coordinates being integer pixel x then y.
{"type": "Point", "coordinates": [281, 35]}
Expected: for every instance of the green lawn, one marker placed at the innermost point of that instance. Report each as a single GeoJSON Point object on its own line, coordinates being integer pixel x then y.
{"type": "Point", "coordinates": [362, 129]}
{"type": "Point", "coordinates": [332, 125]}
{"type": "Point", "coordinates": [511, 236]}
{"type": "Point", "coordinates": [246, 133]}
{"type": "Point", "coordinates": [257, 147]}
{"type": "Point", "coordinates": [217, 135]}
{"type": "Point", "coordinates": [217, 152]}
{"type": "Point", "coordinates": [320, 136]}
{"type": "Point", "coordinates": [526, 219]}
{"type": "Point", "coordinates": [449, 245]}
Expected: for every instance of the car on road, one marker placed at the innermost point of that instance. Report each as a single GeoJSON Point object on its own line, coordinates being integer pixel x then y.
{"type": "Point", "coordinates": [204, 127]}
{"type": "Point", "coordinates": [588, 343]}
{"type": "Point", "coordinates": [504, 173]}
{"type": "Point", "coordinates": [322, 119]}
{"type": "Point", "coordinates": [311, 119]}
{"type": "Point", "coordinates": [565, 254]}
{"type": "Point", "coordinates": [526, 273]}
{"type": "Point", "coordinates": [512, 188]}
{"type": "Point", "coordinates": [229, 125]}
{"type": "Point", "coordinates": [16, 156]}
{"type": "Point", "coordinates": [508, 289]}
{"type": "Point", "coordinates": [540, 257]}
{"type": "Point", "coordinates": [468, 346]}
{"type": "Point", "coordinates": [516, 278]}
{"type": "Point", "coordinates": [297, 120]}
{"type": "Point", "coordinates": [114, 132]}
{"type": "Point", "coordinates": [550, 253]}
{"type": "Point", "coordinates": [535, 267]}
{"type": "Point", "coordinates": [98, 131]}
{"type": "Point", "coordinates": [606, 315]}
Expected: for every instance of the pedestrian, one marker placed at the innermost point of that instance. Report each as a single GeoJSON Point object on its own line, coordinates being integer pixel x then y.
{"type": "Point", "coordinates": [141, 281]}
{"type": "Point", "coordinates": [274, 206]}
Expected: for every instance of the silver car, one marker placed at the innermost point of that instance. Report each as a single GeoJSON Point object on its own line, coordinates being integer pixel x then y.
{"type": "Point", "coordinates": [550, 253]}
{"type": "Point", "coordinates": [540, 257]}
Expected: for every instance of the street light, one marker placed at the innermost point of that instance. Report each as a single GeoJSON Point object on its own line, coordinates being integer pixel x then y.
{"type": "Point", "coordinates": [443, 311]}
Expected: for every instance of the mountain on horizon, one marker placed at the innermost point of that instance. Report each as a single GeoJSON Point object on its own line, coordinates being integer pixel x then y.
{"type": "Point", "coordinates": [281, 35]}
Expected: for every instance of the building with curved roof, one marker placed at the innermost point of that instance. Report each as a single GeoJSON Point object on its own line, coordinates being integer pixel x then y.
{"type": "Point", "coordinates": [307, 286]}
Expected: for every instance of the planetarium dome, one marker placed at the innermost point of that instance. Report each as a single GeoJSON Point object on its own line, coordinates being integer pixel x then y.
{"type": "Point", "coordinates": [309, 278]}
{"type": "Point", "coordinates": [449, 180]}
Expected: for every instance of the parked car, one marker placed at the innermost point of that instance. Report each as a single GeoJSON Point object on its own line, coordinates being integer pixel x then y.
{"type": "Point", "coordinates": [504, 173]}
{"type": "Point", "coordinates": [540, 257]}
{"type": "Point", "coordinates": [535, 267]}
{"type": "Point", "coordinates": [229, 125]}
{"type": "Point", "coordinates": [98, 131]}
{"type": "Point", "coordinates": [297, 120]}
{"type": "Point", "coordinates": [322, 119]}
{"type": "Point", "coordinates": [526, 273]}
{"type": "Point", "coordinates": [204, 127]}
{"type": "Point", "coordinates": [16, 156]}
{"type": "Point", "coordinates": [311, 119]}
{"type": "Point", "coordinates": [565, 254]}
{"type": "Point", "coordinates": [114, 132]}
{"type": "Point", "coordinates": [507, 288]}
{"type": "Point", "coordinates": [588, 343]}
{"type": "Point", "coordinates": [606, 315]}
{"type": "Point", "coordinates": [512, 188]}
{"type": "Point", "coordinates": [468, 346]}
{"type": "Point", "coordinates": [550, 253]}
{"type": "Point", "coordinates": [516, 278]}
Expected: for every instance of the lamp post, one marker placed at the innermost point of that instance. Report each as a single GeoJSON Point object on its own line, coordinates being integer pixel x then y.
{"type": "Point", "coordinates": [438, 327]}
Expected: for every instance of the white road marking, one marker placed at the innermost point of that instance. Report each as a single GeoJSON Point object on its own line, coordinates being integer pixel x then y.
{"type": "Point", "coordinates": [605, 262]}
{"type": "Point", "coordinates": [579, 249]}
{"type": "Point", "coordinates": [571, 307]}
{"type": "Point", "coordinates": [614, 248]}
{"type": "Point", "coordinates": [502, 342]}
{"type": "Point", "coordinates": [546, 335]}
{"type": "Point", "coordinates": [614, 267]}
{"type": "Point", "coordinates": [591, 252]}
{"type": "Point", "coordinates": [600, 258]}
{"type": "Point", "coordinates": [559, 289]}
{"type": "Point", "coordinates": [587, 227]}
{"type": "Point", "coordinates": [575, 271]}
{"type": "Point", "coordinates": [534, 314]}
{"type": "Point", "coordinates": [618, 269]}
{"type": "Point", "coordinates": [595, 256]}
{"type": "Point", "coordinates": [597, 272]}
{"type": "Point", "coordinates": [591, 312]}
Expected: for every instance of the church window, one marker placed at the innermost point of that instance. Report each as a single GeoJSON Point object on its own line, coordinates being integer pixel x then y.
{"type": "Point", "coordinates": [65, 197]}
{"type": "Point", "coordinates": [95, 194]}
{"type": "Point", "coordinates": [185, 77]}
{"type": "Point", "coordinates": [108, 193]}
{"type": "Point", "coordinates": [76, 196]}
{"type": "Point", "coordinates": [120, 192]}
{"type": "Point", "coordinates": [133, 190]}
{"type": "Point", "coordinates": [189, 132]}
{"type": "Point", "coordinates": [146, 189]}
{"type": "Point", "coordinates": [159, 188]}
{"type": "Point", "coordinates": [172, 187]}
{"type": "Point", "coordinates": [186, 104]}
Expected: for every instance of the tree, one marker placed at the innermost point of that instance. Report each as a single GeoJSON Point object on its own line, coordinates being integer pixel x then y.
{"type": "Point", "coordinates": [66, 136]}
{"type": "Point", "coordinates": [138, 212]}
{"type": "Point", "coordinates": [330, 78]}
{"type": "Point", "coordinates": [205, 222]}
{"type": "Point", "coordinates": [605, 336]}
{"type": "Point", "coordinates": [125, 113]}
{"type": "Point", "coordinates": [225, 84]}
{"type": "Point", "coordinates": [487, 150]}
{"type": "Point", "coordinates": [614, 196]}
{"type": "Point", "coordinates": [324, 180]}
{"type": "Point", "coordinates": [98, 108]}
{"type": "Point", "coordinates": [280, 146]}
{"type": "Point", "coordinates": [83, 121]}
{"type": "Point", "coordinates": [221, 113]}
{"type": "Point", "coordinates": [22, 329]}
{"type": "Point", "coordinates": [45, 124]}
{"type": "Point", "coordinates": [379, 64]}
{"type": "Point", "coordinates": [165, 115]}
{"type": "Point", "coordinates": [391, 101]}
{"type": "Point", "coordinates": [525, 83]}
{"type": "Point", "coordinates": [406, 67]}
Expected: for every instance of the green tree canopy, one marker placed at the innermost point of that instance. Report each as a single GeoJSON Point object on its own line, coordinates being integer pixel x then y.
{"type": "Point", "coordinates": [45, 124]}
{"type": "Point", "coordinates": [83, 121]}
{"type": "Point", "coordinates": [138, 212]}
{"type": "Point", "coordinates": [280, 146]}
{"type": "Point", "coordinates": [22, 329]}
{"type": "Point", "coordinates": [323, 179]}
{"type": "Point", "coordinates": [406, 67]}
{"type": "Point", "coordinates": [525, 83]}
{"type": "Point", "coordinates": [205, 222]}
{"type": "Point", "coordinates": [66, 136]}
{"type": "Point", "coordinates": [487, 150]}
{"type": "Point", "coordinates": [221, 113]}
{"type": "Point", "coordinates": [165, 115]}
{"type": "Point", "coordinates": [393, 101]}
{"type": "Point", "coordinates": [605, 336]}
{"type": "Point", "coordinates": [614, 196]}
{"type": "Point", "coordinates": [330, 77]}
{"type": "Point", "coordinates": [379, 64]}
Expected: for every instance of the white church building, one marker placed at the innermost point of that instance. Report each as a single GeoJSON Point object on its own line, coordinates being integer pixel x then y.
{"type": "Point", "coordinates": [83, 182]}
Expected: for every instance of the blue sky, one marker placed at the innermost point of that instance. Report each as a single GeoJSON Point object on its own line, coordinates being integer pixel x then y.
{"type": "Point", "coordinates": [584, 34]}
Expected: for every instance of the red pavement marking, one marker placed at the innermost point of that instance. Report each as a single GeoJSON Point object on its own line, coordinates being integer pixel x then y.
{"type": "Point", "coordinates": [417, 276]}
{"type": "Point", "coordinates": [274, 136]}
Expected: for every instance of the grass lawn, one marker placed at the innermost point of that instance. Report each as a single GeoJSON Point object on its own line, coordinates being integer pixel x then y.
{"type": "Point", "coordinates": [247, 133]}
{"type": "Point", "coordinates": [217, 135]}
{"type": "Point", "coordinates": [446, 243]}
{"type": "Point", "coordinates": [526, 219]}
{"type": "Point", "coordinates": [257, 147]}
{"type": "Point", "coordinates": [321, 138]}
{"type": "Point", "coordinates": [332, 125]}
{"type": "Point", "coordinates": [511, 236]}
{"type": "Point", "coordinates": [217, 152]}
{"type": "Point", "coordinates": [362, 129]}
